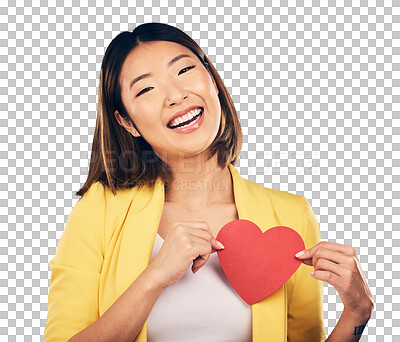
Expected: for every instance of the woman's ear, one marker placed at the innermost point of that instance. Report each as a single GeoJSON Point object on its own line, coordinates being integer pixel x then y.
{"type": "Point", "coordinates": [127, 124]}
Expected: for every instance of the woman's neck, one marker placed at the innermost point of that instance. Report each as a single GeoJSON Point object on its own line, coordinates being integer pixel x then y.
{"type": "Point", "coordinates": [200, 186]}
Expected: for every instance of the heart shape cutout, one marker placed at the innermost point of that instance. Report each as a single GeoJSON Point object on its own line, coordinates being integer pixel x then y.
{"type": "Point", "coordinates": [256, 263]}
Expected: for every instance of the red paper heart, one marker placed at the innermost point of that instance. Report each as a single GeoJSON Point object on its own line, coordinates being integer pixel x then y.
{"type": "Point", "coordinates": [256, 263]}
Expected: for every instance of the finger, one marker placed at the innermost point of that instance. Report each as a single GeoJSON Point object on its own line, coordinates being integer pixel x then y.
{"type": "Point", "coordinates": [343, 249]}
{"type": "Point", "coordinates": [203, 252]}
{"type": "Point", "coordinates": [329, 277]}
{"type": "Point", "coordinates": [217, 247]}
{"type": "Point", "coordinates": [347, 250]}
{"type": "Point", "coordinates": [194, 224]}
{"type": "Point", "coordinates": [338, 282]}
{"type": "Point", "coordinates": [198, 263]}
{"type": "Point", "coordinates": [323, 253]}
{"type": "Point", "coordinates": [203, 258]}
{"type": "Point", "coordinates": [207, 235]}
{"type": "Point", "coordinates": [201, 233]}
{"type": "Point", "coordinates": [327, 265]}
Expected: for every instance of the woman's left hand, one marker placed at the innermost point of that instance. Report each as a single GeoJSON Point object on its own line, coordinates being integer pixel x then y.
{"type": "Point", "coordinates": [340, 266]}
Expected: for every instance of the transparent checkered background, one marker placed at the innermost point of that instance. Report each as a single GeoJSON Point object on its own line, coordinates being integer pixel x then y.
{"type": "Point", "coordinates": [317, 88]}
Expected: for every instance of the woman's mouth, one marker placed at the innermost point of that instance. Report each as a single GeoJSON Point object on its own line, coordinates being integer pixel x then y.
{"type": "Point", "coordinates": [185, 123]}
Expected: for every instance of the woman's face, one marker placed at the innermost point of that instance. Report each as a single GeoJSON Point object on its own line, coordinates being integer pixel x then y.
{"type": "Point", "coordinates": [175, 84]}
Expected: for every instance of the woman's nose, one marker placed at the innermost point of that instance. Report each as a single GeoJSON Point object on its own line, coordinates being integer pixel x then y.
{"type": "Point", "coordinates": [175, 94]}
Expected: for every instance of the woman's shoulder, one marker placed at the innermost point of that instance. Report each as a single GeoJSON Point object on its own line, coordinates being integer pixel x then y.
{"type": "Point", "coordinates": [100, 210]}
{"type": "Point", "coordinates": [101, 207]}
{"type": "Point", "coordinates": [289, 209]}
{"type": "Point", "coordinates": [99, 195]}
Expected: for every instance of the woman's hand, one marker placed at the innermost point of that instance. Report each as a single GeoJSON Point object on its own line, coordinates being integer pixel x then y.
{"type": "Point", "coordinates": [339, 266]}
{"type": "Point", "coordinates": [186, 243]}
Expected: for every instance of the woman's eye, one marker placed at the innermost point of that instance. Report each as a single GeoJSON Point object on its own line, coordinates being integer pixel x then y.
{"type": "Point", "coordinates": [143, 91]}
{"type": "Point", "coordinates": [190, 67]}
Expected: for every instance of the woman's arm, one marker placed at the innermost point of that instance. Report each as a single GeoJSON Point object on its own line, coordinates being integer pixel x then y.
{"type": "Point", "coordinates": [124, 320]}
{"type": "Point", "coordinates": [73, 300]}
{"type": "Point", "coordinates": [350, 327]}
{"type": "Point", "coordinates": [340, 267]}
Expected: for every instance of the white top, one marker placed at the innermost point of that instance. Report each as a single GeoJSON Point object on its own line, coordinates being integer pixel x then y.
{"type": "Point", "coordinates": [200, 307]}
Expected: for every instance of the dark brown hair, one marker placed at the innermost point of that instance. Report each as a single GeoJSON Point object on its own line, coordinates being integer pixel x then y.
{"type": "Point", "coordinates": [119, 160]}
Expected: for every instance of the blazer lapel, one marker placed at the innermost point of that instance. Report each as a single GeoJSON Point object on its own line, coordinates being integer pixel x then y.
{"type": "Point", "coordinates": [141, 226]}
{"type": "Point", "coordinates": [254, 204]}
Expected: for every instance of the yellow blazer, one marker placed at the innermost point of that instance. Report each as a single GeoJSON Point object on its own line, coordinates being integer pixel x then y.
{"type": "Point", "coordinates": [108, 240]}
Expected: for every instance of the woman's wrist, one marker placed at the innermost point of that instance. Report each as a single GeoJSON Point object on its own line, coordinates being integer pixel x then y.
{"type": "Point", "coordinates": [362, 314]}
{"type": "Point", "coordinates": [357, 321]}
{"type": "Point", "coordinates": [351, 325]}
{"type": "Point", "coordinates": [153, 283]}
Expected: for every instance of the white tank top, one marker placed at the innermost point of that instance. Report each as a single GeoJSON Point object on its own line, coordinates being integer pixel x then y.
{"type": "Point", "coordinates": [200, 307]}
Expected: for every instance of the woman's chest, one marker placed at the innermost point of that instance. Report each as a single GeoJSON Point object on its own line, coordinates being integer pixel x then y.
{"type": "Point", "coordinates": [215, 216]}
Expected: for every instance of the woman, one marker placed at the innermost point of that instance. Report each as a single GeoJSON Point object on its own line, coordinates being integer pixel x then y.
{"type": "Point", "coordinates": [161, 185]}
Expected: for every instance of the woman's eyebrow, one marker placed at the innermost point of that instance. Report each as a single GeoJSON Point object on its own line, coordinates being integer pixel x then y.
{"type": "Point", "coordinates": [172, 61]}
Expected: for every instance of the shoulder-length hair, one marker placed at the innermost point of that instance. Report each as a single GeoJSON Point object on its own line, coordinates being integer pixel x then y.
{"type": "Point", "coordinates": [119, 160]}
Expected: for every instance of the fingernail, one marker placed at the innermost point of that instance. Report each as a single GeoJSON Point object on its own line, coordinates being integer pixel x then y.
{"type": "Point", "coordinates": [312, 272]}
{"type": "Point", "coordinates": [299, 254]}
{"type": "Point", "coordinates": [220, 244]}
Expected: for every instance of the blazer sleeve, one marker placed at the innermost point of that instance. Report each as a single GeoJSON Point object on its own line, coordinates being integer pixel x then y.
{"type": "Point", "coordinates": [305, 310]}
{"type": "Point", "coordinates": [75, 269]}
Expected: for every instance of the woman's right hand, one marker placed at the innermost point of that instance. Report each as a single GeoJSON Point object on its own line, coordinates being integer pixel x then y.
{"type": "Point", "coordinates": [187, 242]}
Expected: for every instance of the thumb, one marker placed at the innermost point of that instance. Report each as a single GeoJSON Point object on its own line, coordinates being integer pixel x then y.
{"type": "Point", "coordinates": [306, 256]}
{"type": "Point", "coordinates": [216, 245]}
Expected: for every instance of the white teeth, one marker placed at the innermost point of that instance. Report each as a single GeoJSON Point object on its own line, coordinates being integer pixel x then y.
{"type": "Point", "coordinates": [188, 124]}
{"type": "Point", "coordinates": [185, 117]}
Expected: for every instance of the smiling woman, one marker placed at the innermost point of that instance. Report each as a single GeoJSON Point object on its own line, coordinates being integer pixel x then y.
{"type": "Point", "coordinates": [143, 76]}
{"type": "Point", "coordinates": [177, 85]}
{"type": "Point", "coordinates": [161, 185]}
